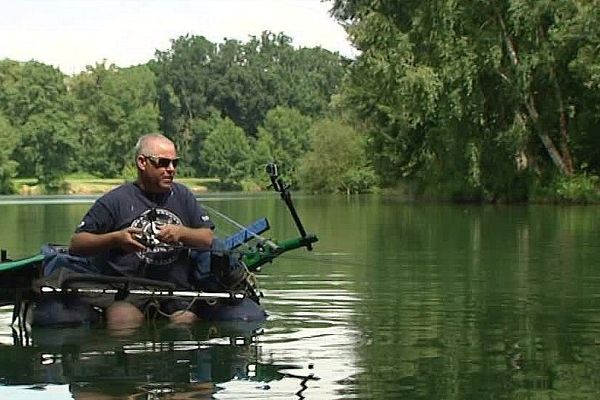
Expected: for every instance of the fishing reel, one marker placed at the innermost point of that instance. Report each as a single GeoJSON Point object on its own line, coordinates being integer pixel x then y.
{"type": "Point", "coordinates": [150, 224]}
{"type": "Point", "coordinates": [148, 236]}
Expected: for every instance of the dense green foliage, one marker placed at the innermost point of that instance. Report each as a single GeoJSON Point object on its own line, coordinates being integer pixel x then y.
{"type": "Point", "coordinates": [469, 100]}
{"type": "Point", "coordinates": [476, 99]}
{"type": "Point", "coordinates": [227, 153]}
{"type": "Point", "coordinates": [337, 161]}
{"type": "Point", "coordinates": [112, 107]}
{"type": "Point", "coordinates": [229, 107]}
{"type": "Point", "coordinates": [7, 166]}
{"type": "Point", "coordinates": [47, 141]}
{"type": "Point", "coordinates": [285, 134]}
{"type": "Point", "coordinates": [241, 82]}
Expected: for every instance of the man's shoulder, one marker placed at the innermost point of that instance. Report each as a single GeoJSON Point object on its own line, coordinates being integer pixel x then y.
{"type": "Point", "coordinates": [124, 189]}
{"type": "Point", "coordinates": [180, 188]}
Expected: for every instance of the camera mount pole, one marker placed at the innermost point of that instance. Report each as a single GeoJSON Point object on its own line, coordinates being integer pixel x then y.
{"type": "Point", "coordinates": [283, 189]}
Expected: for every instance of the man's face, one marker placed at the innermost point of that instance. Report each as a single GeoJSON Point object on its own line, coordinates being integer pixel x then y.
{"type": "Point", "coordinates": [158, 166]}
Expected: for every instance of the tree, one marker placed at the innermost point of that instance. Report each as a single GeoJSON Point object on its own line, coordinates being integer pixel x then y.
{"type": "Point", "coordinates": [243, 81]}
{"type": "Point", "coordinates": [201, 129]}
{"type": "Point", "coordinates": [473, 91]}
{"type": "Point", "coordinates": [183, 86]}
{"type": "Point", "coordinates": [267, 72]}
{"type": "Point", "coordinates": [227, 153]}
{"type": "Point", "coordinates": [114, 107]}
{"type": "Point", "coordinates": [337, 161]}
{"type": "Point", "coordinates": [30, 92]}
{"type": "Point", "coordinates": [7, 166]}
{"type": "Point", "coordinates": [29, 88]}
{"type": "Point", "coordinates": [285, 134]}
{"type": "Point", "coordinates": [48, 141]}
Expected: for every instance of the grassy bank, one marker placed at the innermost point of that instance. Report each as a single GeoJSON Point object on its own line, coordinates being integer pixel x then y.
{"type": "Point", "coordinates": [93, 185]}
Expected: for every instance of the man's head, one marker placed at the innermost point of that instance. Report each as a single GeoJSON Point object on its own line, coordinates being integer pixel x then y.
{"type": "Point", "coordinates": [156, 160]}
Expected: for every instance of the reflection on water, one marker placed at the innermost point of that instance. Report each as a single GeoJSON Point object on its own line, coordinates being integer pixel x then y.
{"type": "Point", "coordinates": [411, 301]}
{"type": "Point", "coordinates": [153, 361]}
{"type": "Point", "coordinates": [282, 358]}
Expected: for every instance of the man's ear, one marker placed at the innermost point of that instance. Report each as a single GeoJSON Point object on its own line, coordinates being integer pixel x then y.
{"type": "Point", "coordinates": [141, 162]}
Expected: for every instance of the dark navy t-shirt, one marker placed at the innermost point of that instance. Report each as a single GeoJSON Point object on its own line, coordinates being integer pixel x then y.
{"type": "Point", "coordinates": [128, 206]}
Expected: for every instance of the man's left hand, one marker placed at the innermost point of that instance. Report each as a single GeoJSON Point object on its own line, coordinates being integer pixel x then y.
{"type": "Point", "coordinates": [170, 233]}
{"type": "Point", "coordinates": [184, 235]}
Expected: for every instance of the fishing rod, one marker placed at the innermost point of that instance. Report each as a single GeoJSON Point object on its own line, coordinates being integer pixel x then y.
{"type": "Point", "coordinates": [121, 287]}
{"type": "Point", "coordinates": [162, 293]}
{"type": "Point", "coordinates": [254, 257]}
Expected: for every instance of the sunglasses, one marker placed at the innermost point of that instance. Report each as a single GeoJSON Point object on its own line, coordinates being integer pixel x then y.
{"type": "Point", "coordinates": [162, 162]}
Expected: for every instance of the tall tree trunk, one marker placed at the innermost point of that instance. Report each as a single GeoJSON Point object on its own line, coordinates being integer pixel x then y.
{"type": "Point", "coordinates": [564, 167]}
{"type": "Point", "coordinates": [563, 124]}
{"type": "Point", "coordinates": [534, 116]}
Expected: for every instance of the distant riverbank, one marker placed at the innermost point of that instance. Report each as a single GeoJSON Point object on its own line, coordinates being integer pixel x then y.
{"type": "Point", "coordinates": [92, 185]}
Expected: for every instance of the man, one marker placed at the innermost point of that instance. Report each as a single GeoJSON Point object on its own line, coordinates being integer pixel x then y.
{"type": "Point", "coordinates": [138, 229]}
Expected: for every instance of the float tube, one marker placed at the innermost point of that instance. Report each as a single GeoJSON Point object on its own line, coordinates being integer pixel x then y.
{"type": "Point", "coordinates": [54, 287]}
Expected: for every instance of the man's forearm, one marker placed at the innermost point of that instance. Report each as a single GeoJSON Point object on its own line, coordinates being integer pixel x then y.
{"type": "Point", "coordinates": [196, 237]}
{"type": "Point", "coordinates": [87, 244]}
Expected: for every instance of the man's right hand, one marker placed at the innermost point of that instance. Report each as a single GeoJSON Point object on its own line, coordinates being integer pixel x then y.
{"type": "Point", "coordinates": [128, 240]}
{"type": "Point", "coordinates": [89, 244]}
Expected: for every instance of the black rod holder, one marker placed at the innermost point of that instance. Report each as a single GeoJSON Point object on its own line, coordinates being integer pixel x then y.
{"type": "Point", "coordinates": [283, 189]}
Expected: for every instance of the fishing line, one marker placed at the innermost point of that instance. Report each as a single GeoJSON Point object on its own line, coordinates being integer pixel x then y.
{"type": "Point", "coordinates": [318, 259]}
{"type": "Point", "coordinates": [242, 227]}
{"type": "Point", "coordinates": [233, 222]}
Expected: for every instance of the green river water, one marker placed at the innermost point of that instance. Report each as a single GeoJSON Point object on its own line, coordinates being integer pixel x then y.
{"type": "Point", "coordinates": [396, 301]}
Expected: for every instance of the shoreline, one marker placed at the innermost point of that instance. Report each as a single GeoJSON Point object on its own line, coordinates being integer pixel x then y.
{"type": "Point", "coordinates": [96, 186]}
